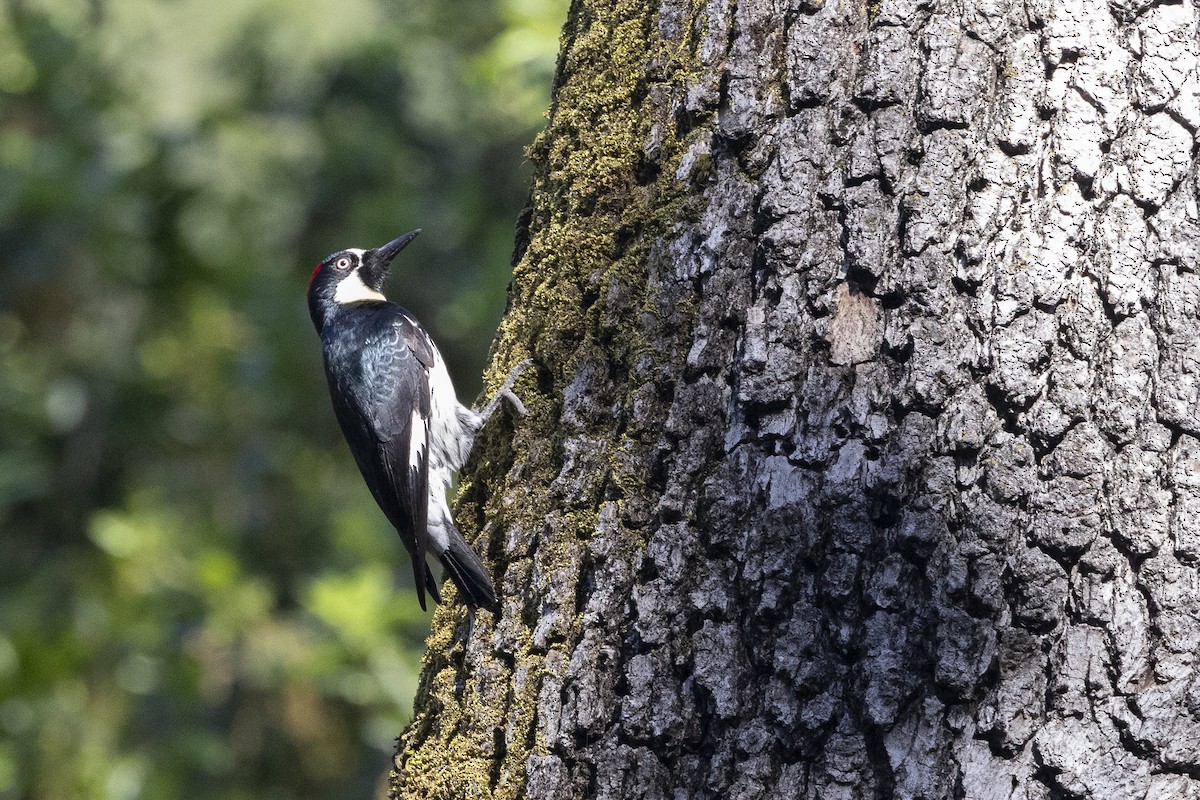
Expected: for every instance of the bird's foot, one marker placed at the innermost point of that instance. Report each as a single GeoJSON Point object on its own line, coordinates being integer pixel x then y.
{"type": "Point", "coordinates": [505, 392]}
{"type": "Point", "coordinates": [514, 401]}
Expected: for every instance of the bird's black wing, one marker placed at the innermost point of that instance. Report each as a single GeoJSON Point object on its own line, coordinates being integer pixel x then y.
{"type": "Point", "coordinates": [396, 370]}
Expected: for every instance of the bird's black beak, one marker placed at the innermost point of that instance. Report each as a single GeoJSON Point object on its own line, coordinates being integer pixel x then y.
{"type": "Point", "coordinates": [377, 263]}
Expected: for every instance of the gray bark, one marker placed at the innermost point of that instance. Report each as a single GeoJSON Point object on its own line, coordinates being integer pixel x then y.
{"type": "Point", "coordinates": [865, 457]}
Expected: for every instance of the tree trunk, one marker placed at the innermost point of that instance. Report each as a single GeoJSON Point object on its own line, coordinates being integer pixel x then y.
{"type": "Point", "coordinates": [863, 457]}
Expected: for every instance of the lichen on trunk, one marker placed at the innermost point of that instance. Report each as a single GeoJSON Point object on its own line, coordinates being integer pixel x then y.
{"type": "Point", "coordinates": [863, 444]}
{"type": "Point", "coordinates": [533, 491]}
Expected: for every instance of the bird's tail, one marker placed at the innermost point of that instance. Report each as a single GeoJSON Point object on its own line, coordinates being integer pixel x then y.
{"type": "Point", "coordinates": [466, 569]}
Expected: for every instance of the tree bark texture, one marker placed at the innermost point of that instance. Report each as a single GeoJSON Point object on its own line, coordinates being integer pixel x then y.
{"type": "Point", "coordinates": [864, 451]}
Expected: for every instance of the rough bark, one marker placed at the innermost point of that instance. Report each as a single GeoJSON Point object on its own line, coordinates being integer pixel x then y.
{"type": "Point", "coordinates": [864, 454]}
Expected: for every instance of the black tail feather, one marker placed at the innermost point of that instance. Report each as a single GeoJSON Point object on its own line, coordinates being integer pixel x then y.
{"type": "Point", "coordinates": [425, 583]}
{"type": "Point", "coordinates": [466, 569]}
{"type": "Point", "coordinates": [431, 586]}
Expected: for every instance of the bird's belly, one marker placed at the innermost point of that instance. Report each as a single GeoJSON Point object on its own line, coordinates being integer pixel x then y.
{"type": "Point", "coordinates": [450, 442]}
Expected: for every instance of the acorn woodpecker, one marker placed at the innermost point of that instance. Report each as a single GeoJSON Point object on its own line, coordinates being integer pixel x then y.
{"type": "Point", "coordinates": [397, 408]}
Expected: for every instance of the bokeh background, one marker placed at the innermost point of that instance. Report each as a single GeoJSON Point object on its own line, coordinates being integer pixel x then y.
{"type": "Point", "coordinates": [198, 598]}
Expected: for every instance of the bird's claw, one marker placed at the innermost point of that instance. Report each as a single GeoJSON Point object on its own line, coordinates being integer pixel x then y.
{"type": "Point", "coordinates": [515, 401]}
{"type": "Point", "coordinates": [505, 391]}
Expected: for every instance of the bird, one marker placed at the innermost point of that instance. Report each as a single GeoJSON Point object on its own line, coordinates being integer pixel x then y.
{"type": "Point", "coordinates": [396, 405]}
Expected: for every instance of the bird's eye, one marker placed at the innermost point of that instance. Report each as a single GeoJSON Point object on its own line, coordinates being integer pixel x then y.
{"type": "Point", "coordinates": [343, 263]}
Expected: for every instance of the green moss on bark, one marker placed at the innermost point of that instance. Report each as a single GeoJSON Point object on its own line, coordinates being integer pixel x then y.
{"type": "Point", "coordinates": [579, 289]}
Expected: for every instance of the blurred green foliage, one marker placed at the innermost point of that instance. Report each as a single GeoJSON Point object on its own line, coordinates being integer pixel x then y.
{"type": "Point", "coordinates": [198, 598]}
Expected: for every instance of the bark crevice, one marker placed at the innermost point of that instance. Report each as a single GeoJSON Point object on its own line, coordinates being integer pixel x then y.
{"type": "Point", "coordinates": [862, 455]}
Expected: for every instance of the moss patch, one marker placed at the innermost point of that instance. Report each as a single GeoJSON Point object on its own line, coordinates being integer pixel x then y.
{"type": "Point", "coordinates": [579, 295]}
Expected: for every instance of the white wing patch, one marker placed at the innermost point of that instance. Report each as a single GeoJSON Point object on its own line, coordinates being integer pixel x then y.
{"type": "Point", "coordinates": [353, 290]}
{"type": "Point", "coordinates": [416, 440]}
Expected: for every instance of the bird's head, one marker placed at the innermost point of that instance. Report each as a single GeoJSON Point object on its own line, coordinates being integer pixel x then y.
{"type": "Point", "coordinates": [352, 276]}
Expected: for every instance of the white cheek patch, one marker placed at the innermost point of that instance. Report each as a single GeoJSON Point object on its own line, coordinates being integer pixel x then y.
{"type": "Point", "coordinates": [353, 290]}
